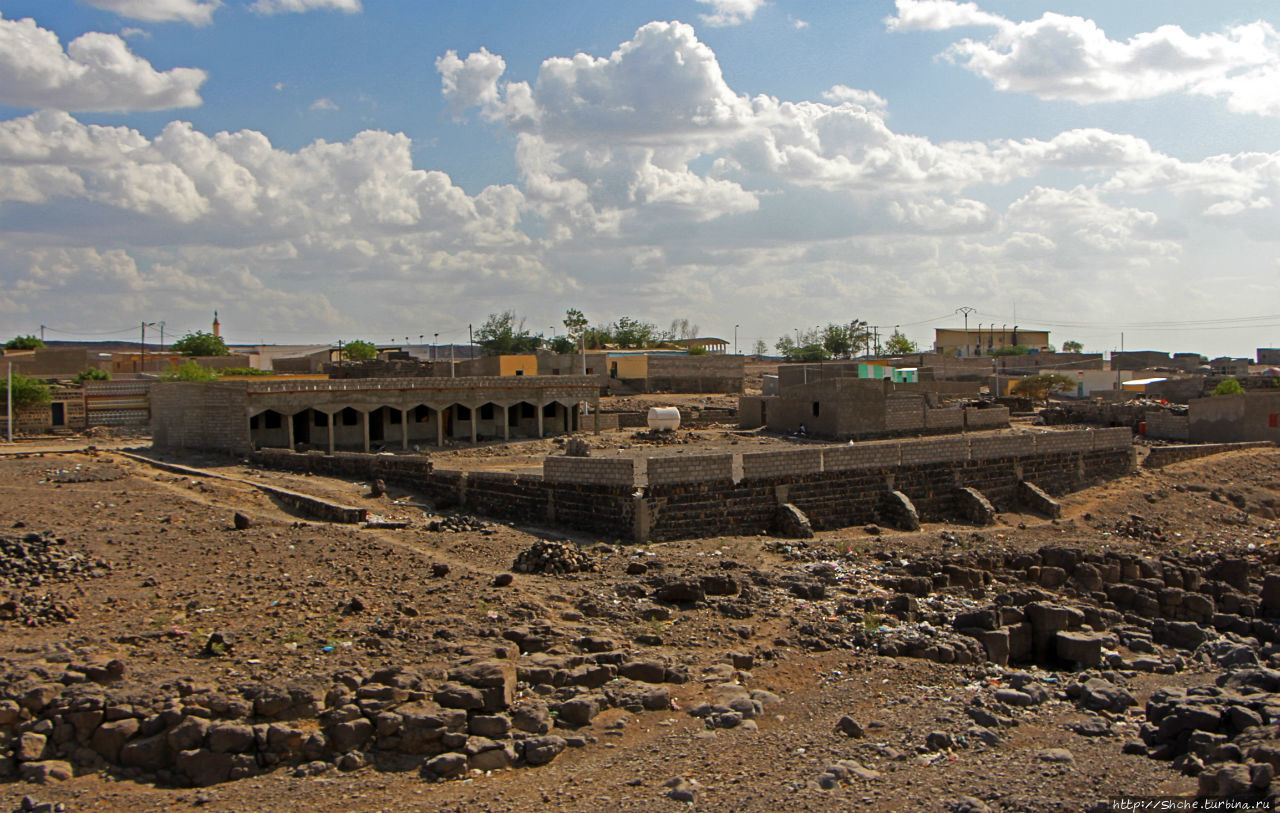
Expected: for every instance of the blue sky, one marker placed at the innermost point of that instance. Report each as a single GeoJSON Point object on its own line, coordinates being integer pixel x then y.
{"type": "Point", "coordinates": [324, 169]}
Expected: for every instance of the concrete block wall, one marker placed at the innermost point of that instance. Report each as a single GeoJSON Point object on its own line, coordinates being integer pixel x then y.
{"type": "Point", "coordinates": [614, 472]}
{"type": "Point", "coordinates": [862, 456]}
{"type": "Point", "coordinates": [690, 497]}
{"type": "Point", "coordinates": [781, 464]}
{"type": "Point", "coordinates": [1058, 442]}
{"type": "Point", "coordinates": [903, 414]}
{"type": "Point", "coordinates": [206, 417]}
{"type": "Point", "coordinates": [975, 418]}
{"type": "Point", "coordinates": [1167, 426]}
{"type": "Point", "coordinates": [1116, 437]}
{"type": "Point", "coordinates": [681, 469]}
{"type": "Point", "coordinates": [949, 418]}
{"type": "Point", "coordinates": [935, 451]}
{"type": "Point", "coordinates": [1000, 446]}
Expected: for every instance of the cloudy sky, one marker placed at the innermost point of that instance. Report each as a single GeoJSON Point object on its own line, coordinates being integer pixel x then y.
{"type": "Point", "coordinates": [325, 169]}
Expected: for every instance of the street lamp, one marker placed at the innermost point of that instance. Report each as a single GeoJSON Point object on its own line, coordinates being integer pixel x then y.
{"type": "Point", "coordinates": [435, 347]}
{"type": "Point", "coordinates": [735, 339]}
{"type": "Point", "coordinates": [966, 310]}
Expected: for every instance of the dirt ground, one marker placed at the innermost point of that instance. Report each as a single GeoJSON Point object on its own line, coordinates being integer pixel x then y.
{"type": "Point", "coordinates": [298, 601]}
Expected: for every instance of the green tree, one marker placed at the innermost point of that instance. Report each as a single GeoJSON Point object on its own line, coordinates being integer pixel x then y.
{"type": "Point", "coordinates": [809, 347]}
{"type": "Point", "coordinates": [1072, 347]}
{"type": "Point", "coordinates": [1230, 386]}
{"type": "Point", "coordinates": [23, 343]}
{"type": "Point", "coordinates": [760, 348]}
{"type": "Point", "coordinates": [575, 324]}
{"type": "Point", "coordinates": [1040, 386]}
{"type": "Point", "coordinates": [201, 344]}
{"type": "Point", "coordinates": [190, 371]}
{"type": "Point", "coordinates": [28, 391]}
{"type": "Point", "coordinates": [563, 345]}
{"type": "Point", "coordinates": [628, 332]}
{"type": "Point", "coordinates": [838, 340]}
{"type": "Point", "coordinates": [359, 350]}
{"type": "Point", "coordinates": [92, 374]}
{"type": "Point", "coordinates": [502, 334]}
{"type": "Point", "coordinates": [899, 345]}
{"type": "Point", "coordinates": [698, 350]}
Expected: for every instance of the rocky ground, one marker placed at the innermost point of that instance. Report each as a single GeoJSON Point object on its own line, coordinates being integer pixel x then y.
{"type": "Point", "coordinates": [155, 656]}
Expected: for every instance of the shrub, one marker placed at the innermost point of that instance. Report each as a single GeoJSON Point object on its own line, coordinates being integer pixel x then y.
{"type": "Point", "coordinates": [190, 371]}
{"type": "Point", "coordinates": [92, 374]}
{"type": "Point", "coordinates": [1228, 387]}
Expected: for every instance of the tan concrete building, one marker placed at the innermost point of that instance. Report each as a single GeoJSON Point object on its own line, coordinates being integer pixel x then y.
{"type": "Point", "coordinates": [981, 341]}
{"type": "Point", "coordinates": [367, 414]}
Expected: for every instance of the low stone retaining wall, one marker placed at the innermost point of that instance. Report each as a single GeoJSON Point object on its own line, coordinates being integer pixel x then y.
{"type": "Point", "coordinates": [1161, 456]}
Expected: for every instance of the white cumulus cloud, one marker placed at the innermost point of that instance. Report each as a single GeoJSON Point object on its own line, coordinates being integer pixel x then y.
{"type": "Point", "coordinates": [300, 6]}
{"type": "Point", "coordinates": [97, 72]}
{"type": "Point", "coordinates": [730, 12]}
{"type": "Point", "coordinates": [1072, 58]}
{"type": "Point", "coordinates": [195, 12]}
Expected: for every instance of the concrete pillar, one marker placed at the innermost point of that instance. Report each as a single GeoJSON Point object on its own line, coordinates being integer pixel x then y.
{"type": "Point", "coordinates": [364, 424]}
{"type": "Point", "coordinates": [287, 420]}
{"type": "Point", "coordinates": [506, 423]}
{"type": "Point", "coordinates": [541, 407]}
{"type": "Point", "coordinates": [333, 416]}
{"type": "Point", "coordinates": [439, 426]}
{"type": "Point", "coordinates": [474, 411]}
{"type": "Point", "coordinates": [404, 430]}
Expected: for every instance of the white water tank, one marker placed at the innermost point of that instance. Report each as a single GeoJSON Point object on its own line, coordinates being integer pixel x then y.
{"type": "Point", "coordinates": [664, 418]}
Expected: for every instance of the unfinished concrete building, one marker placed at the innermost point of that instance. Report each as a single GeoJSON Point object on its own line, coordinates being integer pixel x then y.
{"type": "Point", "coordinates": [857, 408]}
{"type": "Point", "coordinates": [367, 414]}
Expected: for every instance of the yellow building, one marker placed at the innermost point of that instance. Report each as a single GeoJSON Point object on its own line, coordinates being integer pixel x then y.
{"type": "Point", "coordinates": [980, 341]}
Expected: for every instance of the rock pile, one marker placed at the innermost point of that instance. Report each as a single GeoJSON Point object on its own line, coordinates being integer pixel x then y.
{"type": "Point", "coordinates": [36, 558]}
{"type": "Point", "coordinates": [548, 556]}
{"type": "Point", "coordinates": [457, 523]}
{"type": "Point", "coordinates": [444, 721]}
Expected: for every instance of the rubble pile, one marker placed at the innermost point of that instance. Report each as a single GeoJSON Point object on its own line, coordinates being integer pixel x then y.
{"type": "Point", "coordinates": [548, 556]}
{"type": "Point", "coordinates": [457, 523]}
{"type": "Point", "coordinates": [36, 558]}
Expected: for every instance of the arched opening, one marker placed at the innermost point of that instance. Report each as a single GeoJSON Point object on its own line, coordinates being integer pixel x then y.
{"type": "Point", "coordinates": [269, 429]}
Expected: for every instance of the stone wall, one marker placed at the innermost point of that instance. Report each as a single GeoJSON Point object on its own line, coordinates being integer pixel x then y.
{"type": "Point", "coordinates": [711, 495]}
{"type": "Point", "coordinates": [1161, 456]}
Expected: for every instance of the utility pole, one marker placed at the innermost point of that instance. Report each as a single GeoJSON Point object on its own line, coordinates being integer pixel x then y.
{"type": "Point", "coordinates": [471, 344]}
{"type": "Point", "coordinates": [42, 333]}
{"type": "Point", "coordinates": [966, 310]}
{"type": "Point", "coordinates": [161, 337]}
{"type": "Point", "coordinates": [435, 347]}
{"type": "Point", "coordinates": [8, 410]}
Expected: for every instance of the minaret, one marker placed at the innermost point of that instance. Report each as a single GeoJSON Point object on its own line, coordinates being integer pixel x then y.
{"type": "Point", "coordinates": [217, 326]}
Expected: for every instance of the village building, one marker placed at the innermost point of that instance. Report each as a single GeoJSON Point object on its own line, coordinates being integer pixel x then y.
{"type": "Point", "coordinates": [367, 414]}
